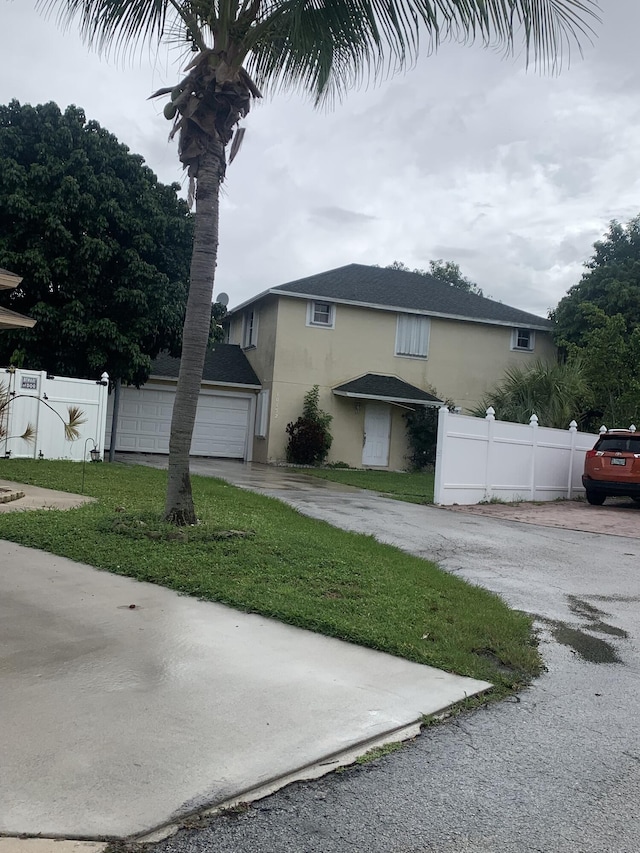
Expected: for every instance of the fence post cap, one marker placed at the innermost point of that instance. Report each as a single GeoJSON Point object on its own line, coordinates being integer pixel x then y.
{"type": "Point", "coordinates": [533, 420]}
{"type": "Point", "coordinates": [105, 377]}
{"type": "Point", "coordinates": [491, 414]}
{"type": "Point", "coordinates": [632, 428]}
{"type": "Point", "coordinates": [573, 426]}
{"type": "Point", "coordinates": [602, 429]}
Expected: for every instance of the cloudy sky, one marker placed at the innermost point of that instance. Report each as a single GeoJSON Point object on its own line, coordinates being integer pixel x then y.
{"type": "Point", "coordinates": [467, 157]}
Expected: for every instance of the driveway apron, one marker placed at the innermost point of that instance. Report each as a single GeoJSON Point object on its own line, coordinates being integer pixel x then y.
{"type": "Point", "coordinates": [124, 706]}
{"type": "Point", "coordinates": [556, 770]}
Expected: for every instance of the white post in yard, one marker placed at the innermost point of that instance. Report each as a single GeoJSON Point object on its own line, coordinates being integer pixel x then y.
{"type": "Point", "coordinates": [490, 417]}
{"type": "Point", "coordinates": [438, 486]}
{"type": "Point", "coordinates": [573, 430]}
{"type": "Point", "coordinates": [533, 423]}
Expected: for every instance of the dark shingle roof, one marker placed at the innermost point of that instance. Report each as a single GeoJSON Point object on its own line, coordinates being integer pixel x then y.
{"type": "Point", "coordinates": [390, 387]}
{"type": "Point", "coordinates": [224, 363]}
{"type": "Point", "coordinates": [400, 289]}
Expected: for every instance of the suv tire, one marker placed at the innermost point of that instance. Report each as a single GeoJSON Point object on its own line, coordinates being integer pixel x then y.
{"type": "Point", "coordinates": [595, 499]}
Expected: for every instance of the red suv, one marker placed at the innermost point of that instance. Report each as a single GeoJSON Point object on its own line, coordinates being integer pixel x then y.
{"type": "Point", "coordinates": [612, 468]}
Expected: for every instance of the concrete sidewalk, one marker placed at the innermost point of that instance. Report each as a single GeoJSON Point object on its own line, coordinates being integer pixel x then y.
{"type": "Point", "coordinates": [126, 706]}
{"type": "Point", "coordinates": [18, 496]}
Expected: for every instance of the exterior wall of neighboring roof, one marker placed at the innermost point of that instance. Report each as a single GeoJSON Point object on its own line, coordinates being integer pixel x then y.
{"type": "Point", "coordinates": [11, 319]}
{"type": "Point", "coordinates": [8, 280]}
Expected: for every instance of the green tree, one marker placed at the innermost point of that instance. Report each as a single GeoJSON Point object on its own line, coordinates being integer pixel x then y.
{"type": "Point", "coordinates": [598, 325]}
{"type": "Point", "coordinates": [557, 393]}
{"type": "Point", "coordinates": [450, 272]}
{"type": "Point", "coordinates": [610, 283]}
{"type": "Point", "coordinates": [324, 49]}
{"type": "Point", "coordinates": [103, 247]}
{"type": "Point", "coordinates": [610, 360]}
{"type": "Point", "coordinates": [446, 271]}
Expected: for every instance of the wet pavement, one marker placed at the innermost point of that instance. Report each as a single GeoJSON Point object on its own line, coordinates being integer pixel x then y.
{"type": "Point", "coordinates": [554, 770]}
{"type": "Point", "coordinates": [617, 517]}
{"type": "Point", "coordinates": [124, 705]}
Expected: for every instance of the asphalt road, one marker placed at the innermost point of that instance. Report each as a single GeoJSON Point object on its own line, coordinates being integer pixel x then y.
{"type": "Point", "coordinates": [555, 769]}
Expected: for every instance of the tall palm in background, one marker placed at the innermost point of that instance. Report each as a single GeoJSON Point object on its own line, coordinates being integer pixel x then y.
{"type": "Point", "coordinates": [322, 47]}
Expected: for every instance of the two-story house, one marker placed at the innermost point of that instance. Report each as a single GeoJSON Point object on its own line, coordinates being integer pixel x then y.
{"type": "Point", "coordinates": [376, 341]}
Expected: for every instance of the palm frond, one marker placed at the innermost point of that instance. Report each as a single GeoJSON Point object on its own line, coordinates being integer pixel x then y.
{"type": "Point", "coordinates": [76, 419]}
{"type": "Point", "coordinates": [556, 392]}
{"type": "Point", "coordinates": [114, 25]}
{"type": "Point", "coordinates": [29, 434]}
{"type": "Point", "coordinates": [328, 48]}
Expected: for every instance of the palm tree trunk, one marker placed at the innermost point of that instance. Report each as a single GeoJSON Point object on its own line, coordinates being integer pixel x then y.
{"type": "Point", "coordinates": [179, 508]}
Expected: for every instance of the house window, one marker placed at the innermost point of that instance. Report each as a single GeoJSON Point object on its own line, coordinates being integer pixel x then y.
{"type": "Point", "coordinates": [412, 335]}
{"type": "Point", "coordinates": [523, 339]}
{"type": "Point", "coordinates": [321, 314]}
{"type": "Point", "coordinates": [262, 414]}
{"type": "Point", "coordinates": [250, 330]}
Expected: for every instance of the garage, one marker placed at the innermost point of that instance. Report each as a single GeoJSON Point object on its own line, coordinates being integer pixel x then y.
{"type": "Point", "coordinates": [224, 416]}
{"type": "Point", "coordinates": [144, 422]}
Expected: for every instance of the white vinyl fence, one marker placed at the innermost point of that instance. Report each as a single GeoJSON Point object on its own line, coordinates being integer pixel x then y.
{"type": "Point", "coordinates": [42, 401]}
{"type": "Point", "coordinates": [479, 459]}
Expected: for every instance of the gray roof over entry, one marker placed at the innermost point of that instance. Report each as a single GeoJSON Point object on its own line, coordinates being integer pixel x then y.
{"type": "Point", "coordinates": [225, 364]}
{"type": "Point", "coordinates": [397, 289]}
{"type": "Point", "coordinates": [376, 386]}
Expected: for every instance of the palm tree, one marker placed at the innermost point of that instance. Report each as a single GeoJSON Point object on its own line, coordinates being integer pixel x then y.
{"type": "Point", "coordinates": [557, 392]}
{"type": "Point", "coordinates": [323, 47]}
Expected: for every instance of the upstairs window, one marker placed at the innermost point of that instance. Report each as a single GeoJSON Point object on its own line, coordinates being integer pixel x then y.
{"type": "Point", "coordinates": [412, 335]}
{"type": "Point", "coordinates": [523, 339]}
{"type": "Point", "coordinates": [250, 329]}
{"type": "Point", "coordinates": [321, 314]}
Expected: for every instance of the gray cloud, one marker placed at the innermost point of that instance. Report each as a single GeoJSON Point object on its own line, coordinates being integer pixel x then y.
{"type": "Point", "coordinates": [467, 157]}
{"type": "Point", "coordinates": [337, 216]}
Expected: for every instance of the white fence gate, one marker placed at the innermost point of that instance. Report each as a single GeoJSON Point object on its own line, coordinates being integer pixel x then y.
{"type": "Point", "coordinates": [42, 401]}
{"type": "Point", "coordinates": [479, 459]}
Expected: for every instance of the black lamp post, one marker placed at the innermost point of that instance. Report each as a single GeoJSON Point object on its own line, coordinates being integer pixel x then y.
{"type": "Point", "coordinates": [94, 453]}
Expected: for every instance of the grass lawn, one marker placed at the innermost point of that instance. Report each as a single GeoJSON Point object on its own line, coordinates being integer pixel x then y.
{"type": "Point", "coordinates": [415, 488]}
{"type": "Point", "coordinates": [257, 554]}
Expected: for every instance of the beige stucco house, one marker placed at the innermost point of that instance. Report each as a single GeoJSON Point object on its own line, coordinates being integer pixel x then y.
{"type": "Point", "coordinates": [376, 341]}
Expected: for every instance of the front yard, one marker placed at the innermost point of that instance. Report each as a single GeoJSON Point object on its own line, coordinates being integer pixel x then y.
{"type": "Point", "coordinates": [260, 555]}
{"type": "Point", "coordinates": [415, 488]}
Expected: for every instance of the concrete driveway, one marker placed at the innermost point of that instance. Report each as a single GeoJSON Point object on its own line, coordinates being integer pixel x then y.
{"type": "Point", "coordinates": [124, 706]}
{"type": "Point", "coordinates": [557, 770]}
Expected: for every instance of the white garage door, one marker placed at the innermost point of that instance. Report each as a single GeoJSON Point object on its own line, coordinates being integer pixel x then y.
{"type": "Point", "coordinates": [144, 422]}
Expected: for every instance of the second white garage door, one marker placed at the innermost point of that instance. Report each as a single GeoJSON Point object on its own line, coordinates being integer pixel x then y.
{"type": "Point", "coordinates": [144, 422]}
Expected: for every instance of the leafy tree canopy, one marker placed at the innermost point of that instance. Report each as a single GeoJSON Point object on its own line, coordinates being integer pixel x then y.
{"type": "Point", "coordinates": [446, 271]}
{"type": "Point", "coordinates": [610, 283]}
{"type": "Point", "coordinates": [598, 326]}
{"type": "Point", "coordinates": [103, 247]}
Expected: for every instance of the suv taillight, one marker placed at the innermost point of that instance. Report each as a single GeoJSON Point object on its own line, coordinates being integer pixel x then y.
{"type": "Point", "coordinates": [591, 454]}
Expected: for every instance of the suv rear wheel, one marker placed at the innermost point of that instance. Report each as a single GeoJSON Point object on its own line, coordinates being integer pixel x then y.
{"type": "Point", "coordinates": [595, 499]}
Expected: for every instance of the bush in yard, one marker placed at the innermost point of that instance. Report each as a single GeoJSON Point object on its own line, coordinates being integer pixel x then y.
{"type": "Point", "coordinates": [309, 437]}
{"type": "Point", "coordinates": [422, 434]}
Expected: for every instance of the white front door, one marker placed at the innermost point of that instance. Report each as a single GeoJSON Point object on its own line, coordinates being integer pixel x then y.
{"type": "Point", "coordinates": [377, 428]}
